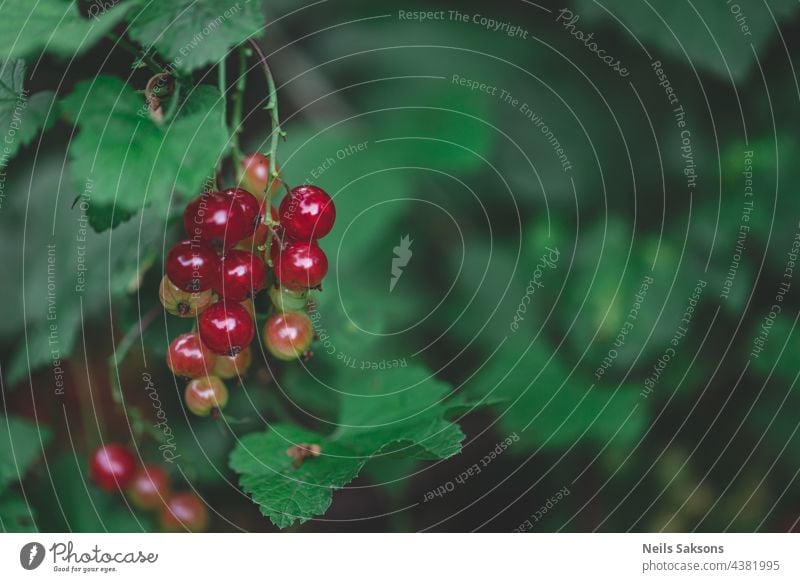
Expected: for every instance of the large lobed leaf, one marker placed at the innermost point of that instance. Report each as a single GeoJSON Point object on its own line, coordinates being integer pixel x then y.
{"type": "Point", "coordinates": [22, 116]}
{"type": "Point", "coordinates": [21, 443]}
{"type": "Point", "coordinates": [394, 412]}
{"type": "Point", "coordinates": [131, 161]}
{"type": "Point", "coordinates": [52, 25]}
{"type": "Point", "coordinates": [191, 34]}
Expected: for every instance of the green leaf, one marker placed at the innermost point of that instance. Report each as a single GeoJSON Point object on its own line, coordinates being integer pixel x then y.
{"type": "Point", "coordinates": [16, 516]}
{"type": "Point", "coordinates": [709, 32]}
{"type": "Point", "coordinates": [132, 162]}
{"type": "Point", "coordinates": [551, 407]}
{"type": "Point", "coordinates": [192, 34]}
{"type": "Point", "coordinates": [22, 117]}
{"type": "Point", "coordinates": [52, 25]}
{"type": "Point", "coordinates": [67, 272]}
{"type": "Point", "coordinates": [286, 494]}
{"type": "Point", "coordinates": [21, 443]}
{"type": "Point", "coordinates": [398, 412]}
{"type": "Point", "coordinates": [401, 410]}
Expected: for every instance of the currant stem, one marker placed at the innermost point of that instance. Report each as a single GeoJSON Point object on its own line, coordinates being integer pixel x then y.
{"type": "Point", "coordinates": [272, 107]}
{"type": "Point", "coordinates": [223, 86]}
{"type": "Point", "coordinates": [238, 100]}
{"type": "Point", "coordinates": [144, 58]}
{"type": "Point", "coordinates": [118, 356]}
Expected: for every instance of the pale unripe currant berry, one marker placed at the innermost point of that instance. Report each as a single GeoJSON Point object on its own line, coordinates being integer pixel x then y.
{"type": "Point", "coordinates": [150, 487]}
{"type": "Point", "coordinates": [187, 356]}
{"type": "Point", "coordinates": [206, 396]}
{"type": "Point", "coordinates": [183, 303]}
{"type": "Point", "coordinates": [288, 335]}
{"type": "Point", "coordinates": [184, 511]}
{"type": "Point", "coordinates": [228, 367]}
{"type": "Point", "coordinates": [285, 300]}
{"type": "Point", "coordinates": [255, 175]}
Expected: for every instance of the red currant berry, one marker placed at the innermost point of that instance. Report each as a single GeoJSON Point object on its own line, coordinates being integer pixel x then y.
{"type": "Point", "coordinates": [192, 267]}
{"type": "Point", "coordinates": [307, 213]}
{"type": "Point", "coordinates": [112, 467]}
{"type": "Point", "coordinates": [226, 328]}
{"type": "Point", "coordinates": [233, 366]}
{"type": "Point", "coordinates": [217, 220]}
{"type": "Point", "coordinates": [241, 275]}
{"type": "Point", "coordinates": [249, 207]}
{"type": "Point", "coordinates": [259, 238]}
{"type": "Point", "coordinates": [301, 265]}
{"type": "Point", "coordinates": [279, 243]}
{"type": "Point", "coordinates": [285, 300]}
{"type": "Point", "coordinates": [187, 356]}
{"type": "Point", "coordinates": [255, 170]}
{"type": "Point", "coordinates": [288, 335]}
{"type": "Point", "coordinates": [150, 487]}
{"type": "Point", "coordinates": [184, 511]}
{"type": "Point", "coordinates": [204, 396]}
{"type": "Point", "coordinates": [183, 303]}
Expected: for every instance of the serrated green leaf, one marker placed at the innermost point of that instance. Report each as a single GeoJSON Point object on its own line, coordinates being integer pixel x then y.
{"type": "Point", "coordinates": [283, 493]}
{"type": "Point", "coordinates": [396, 412]}
{"type": "Point", "coordinates": [21, 443]}
{"type": "Point", "coordinates": [132, 162]}
{"type": "Point", "coordinates": [192, 34]}
{"type": "Point", "coordinates": [22, 116]}
{"type": "Point", "coordinates": [53, 26]}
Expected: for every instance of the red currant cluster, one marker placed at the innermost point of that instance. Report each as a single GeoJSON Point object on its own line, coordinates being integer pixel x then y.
{"type": "Point", "coordinates": [113, 467]}
{"type": "Point", "coordinates": [215, 274]}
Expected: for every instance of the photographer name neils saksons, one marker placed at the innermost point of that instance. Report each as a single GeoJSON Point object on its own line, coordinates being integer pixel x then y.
{"type": "Point", "coordinates": [64, 553]}
{"type": "Point", "coordinates": [664, 548]}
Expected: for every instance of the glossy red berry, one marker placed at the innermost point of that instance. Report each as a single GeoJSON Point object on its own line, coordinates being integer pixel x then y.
{"type": "Point", "coordinates": [307, 213]}
{"type": "Point", "coordinates": [248, 206]}
{"type": "Point", "coordinates": [233, 366]}
{"type": "Point", "coordinates": [301, 265]}
{"type": "Point", "coordinates": [226, 328]}
{"type": "Point", "coordinates": [192, 267]}
{"type": "Point", "coordinates": [280, 241]}
{"type": "Point", "coordinates": [260, 235]}
{"type": "Point", "coordinates": [187, 356]}
{"type": "Point", "coordinates": [150, 487]}
{"type": "Point", "coordinates": [112, 467]}
{"type": "Point", "coordinates": [183, 303]}
{"type": "Point", "coordinates": [255, 175]}
{"type": "Point", "coordinates": [184, 511]}
{"type": "Point", "coordinates": [241, 275]}
{"type": "Point", "coordinates": [288, 335]}
{"type": "Point", "coordinates": [204, 396]}
{"type": "Point", "coordinates": [218, 220]}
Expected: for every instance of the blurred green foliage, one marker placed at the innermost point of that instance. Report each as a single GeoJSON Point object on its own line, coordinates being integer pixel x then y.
{"type": "Point", "coordinates": [564, 295]}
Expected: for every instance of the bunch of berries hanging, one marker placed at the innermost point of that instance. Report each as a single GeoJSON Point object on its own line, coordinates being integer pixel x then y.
{"type": "Point", "coordinates": [233, 252]}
